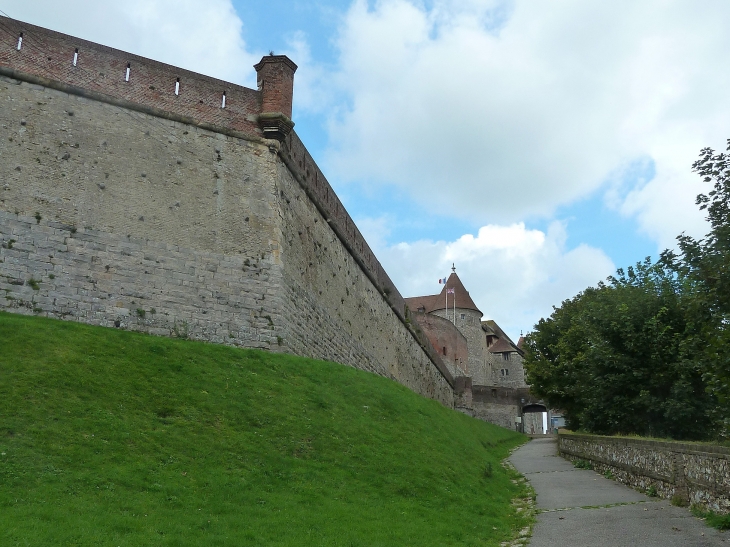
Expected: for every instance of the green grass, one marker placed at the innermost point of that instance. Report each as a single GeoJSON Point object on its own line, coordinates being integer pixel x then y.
{"type": "Point", "coordinates": [719, 521]}
{"type": "Point", "coordinates": [583, 464]}
{"type": "Point", "coordinates": [115, 438]}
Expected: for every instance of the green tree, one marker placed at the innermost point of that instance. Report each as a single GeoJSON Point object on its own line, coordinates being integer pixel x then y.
{"type": "Point", "coordinates": [648, 352]}
{"type": "Point", "coordinates": [707, 263]}
{"type": "Point", "coordinates": [622, 357]}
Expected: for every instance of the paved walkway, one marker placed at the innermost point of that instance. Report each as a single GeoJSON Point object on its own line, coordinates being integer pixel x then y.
{"type": "Point", "coordinates": [580, 508]}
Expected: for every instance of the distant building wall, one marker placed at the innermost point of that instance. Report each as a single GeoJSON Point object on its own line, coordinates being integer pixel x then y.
{"type": "Point", "coordinates": [515, 372]}
{"type": "Point", "coordinates": [502, 405]}
{"type": "Point", "coordinates": [532, 423]}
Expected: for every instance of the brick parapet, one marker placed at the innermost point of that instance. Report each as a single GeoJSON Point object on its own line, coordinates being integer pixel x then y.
{"type": "Point", "coordinates": [100, 72]}
{"type": "Point", "coordinates": [697, 472]}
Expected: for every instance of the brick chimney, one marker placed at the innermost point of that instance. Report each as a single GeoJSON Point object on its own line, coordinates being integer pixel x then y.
{"type": "Point", "coordinates": [275, 79]}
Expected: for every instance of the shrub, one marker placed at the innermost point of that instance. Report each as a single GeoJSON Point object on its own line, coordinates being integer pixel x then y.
{"type": "Point", "coordinates": [678, 500]}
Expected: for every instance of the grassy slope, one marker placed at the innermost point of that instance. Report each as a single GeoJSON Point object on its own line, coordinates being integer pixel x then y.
{"type": "Point", "coordinates": [115, 438]}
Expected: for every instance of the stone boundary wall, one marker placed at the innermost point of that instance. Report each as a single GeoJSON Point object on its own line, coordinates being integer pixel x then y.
{"type": "Point", "coordinates": [699, 473]}
{"type": "Point", "coordinates": [46, 58]}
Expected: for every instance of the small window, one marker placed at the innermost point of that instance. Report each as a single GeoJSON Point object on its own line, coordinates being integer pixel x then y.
{"type": "Point", "coordinates": [463, 316]}
{"type": "Point", "coordinates": [504, 372]}
{"type": "Point", "coordinates": [444, 350]}
{"type": "Point", "coordinates": [505, 356]}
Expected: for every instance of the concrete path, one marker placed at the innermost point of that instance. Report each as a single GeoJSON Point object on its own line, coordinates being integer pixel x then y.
{"type": "Point", "coordinates": [580, 508]}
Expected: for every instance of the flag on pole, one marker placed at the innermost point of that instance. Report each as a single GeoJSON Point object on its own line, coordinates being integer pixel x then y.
{"type": "Point", "coordinates": [450, 291]}
{"type": "Point", "coordinates": [442, 281]}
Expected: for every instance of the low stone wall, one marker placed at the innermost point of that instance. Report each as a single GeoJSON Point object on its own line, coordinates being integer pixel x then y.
{"type": "Point", "coordinates": [699, 473]}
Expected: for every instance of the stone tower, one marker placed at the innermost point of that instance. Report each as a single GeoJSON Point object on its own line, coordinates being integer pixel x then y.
{"type": "Point", "coordinates": [455, 304]}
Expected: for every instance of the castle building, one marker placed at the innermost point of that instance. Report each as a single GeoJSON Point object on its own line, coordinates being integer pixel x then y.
{"type": "Point", "coordinates": [493, 365]}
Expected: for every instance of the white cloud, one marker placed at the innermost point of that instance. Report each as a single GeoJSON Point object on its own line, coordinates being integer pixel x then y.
{"type": "Point", "coordinates": [536, 112]}
{"type": "Point", "coordinates": [514, 275]}
{"type": "Point", "coordinates": [199, 35]}
{"type": "Point", "coordinates": [664, 207]}
{"type": "Point", "coordinates": [312, 91]}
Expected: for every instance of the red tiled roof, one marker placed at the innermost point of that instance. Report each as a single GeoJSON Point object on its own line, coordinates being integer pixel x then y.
{"type": "Point", "coordinates": [501, 346]}
{"type": "Point", "coordinates": [425, 304]}
{"type": "Point", "coordinates": [504, 342]}
{"type": "Point", "coordinates": [438, 301]}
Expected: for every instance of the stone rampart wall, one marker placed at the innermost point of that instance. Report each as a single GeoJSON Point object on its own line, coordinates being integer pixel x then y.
{"type": "Point", "coordinates": [696, 472]}
{"type": "Point", "coordinates": [112, 280]}
{"type": "Point", "coordinates": [331, 208]}
{"type": "Point", "coordinates": [322, 197]}
{"type": "Point", "coordinates": [334, 310]}
{"type": "Point", "coordinates": [124, 193]}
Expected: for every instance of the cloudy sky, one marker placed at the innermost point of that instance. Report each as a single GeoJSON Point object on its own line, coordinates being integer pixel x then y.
{"type": "Point", "coordinates": [538, 145]}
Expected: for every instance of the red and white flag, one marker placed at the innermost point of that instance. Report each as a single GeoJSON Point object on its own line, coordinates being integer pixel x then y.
{"type": "Point", "coordinates": [450, 291]}
{"type": "Point", "coordinates": [442, 281]}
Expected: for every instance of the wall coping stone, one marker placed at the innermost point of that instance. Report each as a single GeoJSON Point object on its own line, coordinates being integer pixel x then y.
{"type": "Point", "coordinates": [683, 447]}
